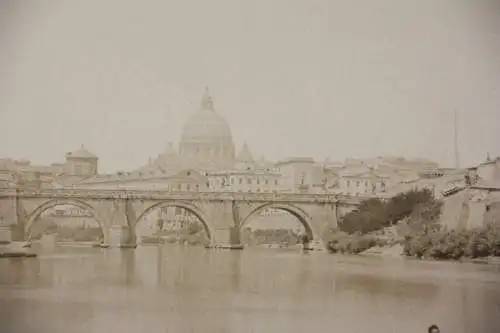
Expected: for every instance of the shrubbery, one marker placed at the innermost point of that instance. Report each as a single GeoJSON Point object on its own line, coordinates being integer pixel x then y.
{"type": "Point", "coordinates": [341, 242]}
{"type": "Point", "coordinates": [272, 236]}
{"type": "Point", "coordinates": [476, 243]}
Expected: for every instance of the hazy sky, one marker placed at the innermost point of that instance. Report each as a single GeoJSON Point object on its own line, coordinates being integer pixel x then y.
{"type": "Point", "coordinates": [292, 77]}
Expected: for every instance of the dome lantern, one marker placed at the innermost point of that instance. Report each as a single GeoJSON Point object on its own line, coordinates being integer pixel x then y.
{"type": "Point", "coordinates": [206, 101]}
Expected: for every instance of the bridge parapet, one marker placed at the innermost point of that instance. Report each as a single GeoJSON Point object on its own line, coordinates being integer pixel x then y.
{"type": "Point", "coordinates": [177, 195]}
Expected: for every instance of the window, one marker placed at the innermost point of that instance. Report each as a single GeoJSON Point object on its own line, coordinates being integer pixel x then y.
{"type": "Point", "coordinates": [241, 180]}
{"type": "Point", "coordinates": [258, 181]}
{"type": "Point", "coordinates": [366, 183]}
{"type": "Point", "coordinates": [232, 180]}
{"type": "Point", "coordinates": [249, 181]}
{"type": "Point", "coordinates": [188, 187]}
{"type": "Point", "coordinates": [357, 183]}
{"type": "Point", "coordinates": [197, 187]}
{"type": "Point", "coordinates": [266, 181]}
{"type": "Point", "coordinates": [348, 183]}
{"type": "Point", "coordinates": [302, 178]}
{"type": "Point", "coordinates": [275, 182]}
{"type": "Point", "coordinates": [179, 187]}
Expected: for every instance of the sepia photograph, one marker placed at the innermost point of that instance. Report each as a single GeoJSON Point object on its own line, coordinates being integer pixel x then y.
{"type": "Point", "coordinates": [256, 166]}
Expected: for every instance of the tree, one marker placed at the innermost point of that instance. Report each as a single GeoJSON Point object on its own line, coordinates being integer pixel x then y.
{"type": "Point", "coordinates": [374, 214]}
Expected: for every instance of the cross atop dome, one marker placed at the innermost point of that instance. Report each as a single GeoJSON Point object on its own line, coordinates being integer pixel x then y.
{"type": "Point", "coordinates": [206, 102]}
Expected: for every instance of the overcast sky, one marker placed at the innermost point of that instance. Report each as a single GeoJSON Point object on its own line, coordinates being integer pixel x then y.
{"type": "Point", "coordinates": [312, 78]}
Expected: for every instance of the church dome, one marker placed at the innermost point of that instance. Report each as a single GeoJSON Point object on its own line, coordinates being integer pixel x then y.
{"type": "Point", "coordinates": [206, 140]}
{"type": "Point", "coordinates": [81, 153]}
{"type": "Point", "coordinates": [206, 125]}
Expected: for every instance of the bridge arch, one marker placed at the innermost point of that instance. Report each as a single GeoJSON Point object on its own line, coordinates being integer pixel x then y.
{"type": "Point", "coordinates": [295, 211]}
{"type": "Point", "coordinates": [58, 202]}
{"type": "Point", "coordinates": [198, 212]}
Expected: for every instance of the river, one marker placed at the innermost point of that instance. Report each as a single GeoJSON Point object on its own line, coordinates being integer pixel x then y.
{"type": "Point", "coordinates": [189, 289]}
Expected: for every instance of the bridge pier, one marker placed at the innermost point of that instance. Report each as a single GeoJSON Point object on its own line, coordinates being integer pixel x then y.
{"type": "Point", "coordinates": [225, 226]}
{"type": "Point", "coordinates": [227, 238]}
{"type": "Point", "coordinates": [5, 234]}
{"type": "Point", "coordinates": [119, 237]}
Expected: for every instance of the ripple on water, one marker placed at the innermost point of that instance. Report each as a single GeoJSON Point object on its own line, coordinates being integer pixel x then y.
{"type": "Point", "coordinates": [192, 289]}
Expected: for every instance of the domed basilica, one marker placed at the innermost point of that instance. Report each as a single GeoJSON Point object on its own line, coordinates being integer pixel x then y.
{"type": "Point", "coordinates": [206, 138]}
{"type": "Point", "coordinates": [206, 144]}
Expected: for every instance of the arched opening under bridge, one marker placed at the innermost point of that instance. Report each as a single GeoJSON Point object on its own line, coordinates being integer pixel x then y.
{"type": "Point", "coordinates": [173, 222]}
{"type": "Point", "coordinates": [71, 221]}
{"type": "Point", "coordinates": [276, 225]}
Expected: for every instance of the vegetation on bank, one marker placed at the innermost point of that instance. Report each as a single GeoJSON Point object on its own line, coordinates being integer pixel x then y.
{"type": "Point", "coordinates": [375, 214]}
{"type": "Point", "coordinates": [454, 245]}
{"type": "Point", "coordinates": [411, 219]}
{"type": "Point", "coordinates": [342, 242]}
{"type": "Point", "coordinates": [281, 236]}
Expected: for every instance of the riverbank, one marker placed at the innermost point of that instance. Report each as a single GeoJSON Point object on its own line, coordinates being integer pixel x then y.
{"type": "Point", "coordinates": [397, 252]}
{"type": "Point", "coordinates": [411, 225]}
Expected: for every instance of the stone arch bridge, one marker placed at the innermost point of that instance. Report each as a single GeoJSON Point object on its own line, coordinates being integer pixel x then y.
{"type": "Point", "coordinates": [222, 213]}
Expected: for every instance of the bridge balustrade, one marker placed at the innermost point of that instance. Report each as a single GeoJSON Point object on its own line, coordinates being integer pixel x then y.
{"type": "Point", "coordinates": [180, 195]}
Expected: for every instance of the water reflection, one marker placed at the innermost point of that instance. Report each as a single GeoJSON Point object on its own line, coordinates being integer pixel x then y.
{"type": "Point", "coordinates": [129, 269]}
{"type": "Point", "coordinates": [181, 289]}
{"type": "Point", "coordinates": [235, 271]}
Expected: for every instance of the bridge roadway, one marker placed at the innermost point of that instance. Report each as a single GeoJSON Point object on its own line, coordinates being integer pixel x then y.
{"type": "Point", "coordinates": [222, 213]}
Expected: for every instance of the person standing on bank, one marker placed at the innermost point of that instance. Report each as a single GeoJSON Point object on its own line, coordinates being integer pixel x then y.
{"type": "Point", "coordinates": [433, 329]}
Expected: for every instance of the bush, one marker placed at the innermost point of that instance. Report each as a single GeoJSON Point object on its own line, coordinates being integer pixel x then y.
{"type": "Point", "coordinates": [342, 242]}
{"type": "Point", "coordinates": [454, 245]}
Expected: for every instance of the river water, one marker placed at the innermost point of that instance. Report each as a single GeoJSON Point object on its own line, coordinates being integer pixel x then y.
{"type": "Point", "coordinates": [188, 289]}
